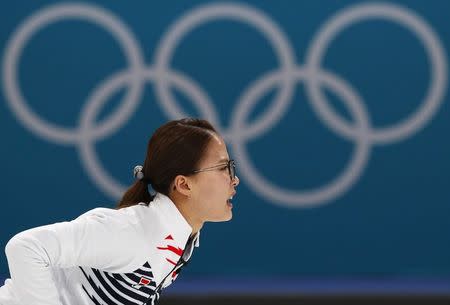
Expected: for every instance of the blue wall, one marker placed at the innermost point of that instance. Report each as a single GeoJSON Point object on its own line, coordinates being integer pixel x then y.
{"type": "Point", "coordinates": [356, 165]}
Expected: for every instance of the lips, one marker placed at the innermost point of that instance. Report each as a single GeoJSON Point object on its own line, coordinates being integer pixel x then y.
{"type": "Point", "coordinates": [230, 199]}
{"type": "Point", "coordinates": [229, 203]}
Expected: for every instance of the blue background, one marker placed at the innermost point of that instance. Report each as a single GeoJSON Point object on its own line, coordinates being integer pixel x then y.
{"type": "Point", "coordinates": [393, 222]}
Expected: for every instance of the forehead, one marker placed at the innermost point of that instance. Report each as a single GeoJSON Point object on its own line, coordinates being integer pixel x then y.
{"type": "Point", "coordinates": [216, 152]}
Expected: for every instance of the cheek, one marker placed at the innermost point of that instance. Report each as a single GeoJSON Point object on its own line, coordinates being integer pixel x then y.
{"type": "Point", "coordinates": [211, 198]}
{"type": "Point", "coordinates": [216, 181]}
{"type": "Point", "coordinates": [211, 189]}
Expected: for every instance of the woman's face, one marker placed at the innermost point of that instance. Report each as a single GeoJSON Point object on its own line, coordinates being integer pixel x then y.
{"type": "Point", "coordinates": [213, 189]}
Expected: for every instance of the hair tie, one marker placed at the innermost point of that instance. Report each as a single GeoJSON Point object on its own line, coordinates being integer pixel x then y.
{"type": "Point", "coordinates": [137, 172]}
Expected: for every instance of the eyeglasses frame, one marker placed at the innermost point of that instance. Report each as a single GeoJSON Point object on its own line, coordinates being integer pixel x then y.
{"type": "Point", "coordinates": [231, 166]}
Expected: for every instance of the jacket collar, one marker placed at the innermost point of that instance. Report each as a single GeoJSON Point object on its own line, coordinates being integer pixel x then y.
{"type": "Point", "coordinates": [171, 215]}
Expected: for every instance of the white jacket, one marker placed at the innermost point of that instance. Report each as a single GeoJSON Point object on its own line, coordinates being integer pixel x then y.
{"type": "Point", "coordinates": [105, 256]}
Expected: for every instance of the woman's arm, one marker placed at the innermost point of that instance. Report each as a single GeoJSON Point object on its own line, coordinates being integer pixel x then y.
{"type": "Point", "coordinates": [29, 266]}
{"type": "Point", "coordinates": [102, 239]}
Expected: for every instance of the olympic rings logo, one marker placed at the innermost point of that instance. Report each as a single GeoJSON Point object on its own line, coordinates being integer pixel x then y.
{"type": "Point", "coordinates": [289, 73]}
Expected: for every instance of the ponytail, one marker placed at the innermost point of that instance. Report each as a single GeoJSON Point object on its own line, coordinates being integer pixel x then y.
{"type": "Point", "coordinates": [137, 193]}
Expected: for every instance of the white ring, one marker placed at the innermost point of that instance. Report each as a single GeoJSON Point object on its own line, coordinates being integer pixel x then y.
{"type": "Point", "coordinates": [333, 189]}
{"type": "Point", "coordinates": [37, 21]}
{"type": "Point", "coordinates": [417, 26]}
{"type": "Point", "coordinates": [237, 12]}
{"type": "Point", "coordinates": [86, 148]}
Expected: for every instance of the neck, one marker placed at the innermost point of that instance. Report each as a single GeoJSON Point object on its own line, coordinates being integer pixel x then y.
{"type": "Point", "coordinates": [189, 215]}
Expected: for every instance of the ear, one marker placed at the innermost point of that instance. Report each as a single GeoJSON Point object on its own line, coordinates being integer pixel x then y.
{"type": "Point", "coordinates": [182, 184]}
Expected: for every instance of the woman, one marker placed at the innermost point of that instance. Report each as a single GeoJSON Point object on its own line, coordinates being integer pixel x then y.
{"type": "Point", "coordinates": [129, 254]}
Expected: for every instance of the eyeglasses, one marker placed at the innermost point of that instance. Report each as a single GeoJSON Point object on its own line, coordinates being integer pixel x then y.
{"type": "Point", "coordinates": [230, 165]}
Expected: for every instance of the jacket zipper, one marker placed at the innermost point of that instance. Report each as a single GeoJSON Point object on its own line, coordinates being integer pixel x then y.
{"type": "Point", "coordinates": [173, 269]}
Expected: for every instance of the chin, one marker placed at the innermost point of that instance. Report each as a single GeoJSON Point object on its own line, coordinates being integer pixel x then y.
{"type": "Point", "coordinates": [227, 217]}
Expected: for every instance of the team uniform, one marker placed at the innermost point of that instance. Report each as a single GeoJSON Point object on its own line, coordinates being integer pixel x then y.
{"type": "Point", "coordinates": [105, 256]}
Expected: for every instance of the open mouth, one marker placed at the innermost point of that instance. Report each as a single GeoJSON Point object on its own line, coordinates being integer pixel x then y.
{"type": "Point", "coordinates": [229, 203]}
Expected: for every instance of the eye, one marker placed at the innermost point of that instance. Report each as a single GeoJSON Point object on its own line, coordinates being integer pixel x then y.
{"type": "Point", "coordinates": [224, 168]}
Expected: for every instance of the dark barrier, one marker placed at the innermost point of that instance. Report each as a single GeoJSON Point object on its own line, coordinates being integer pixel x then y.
{"type": "Point", "coordinates": [309, 300]}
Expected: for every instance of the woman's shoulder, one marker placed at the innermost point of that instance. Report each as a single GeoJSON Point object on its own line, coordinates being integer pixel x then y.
{"type": "Point", "coordinates": [120, 218]}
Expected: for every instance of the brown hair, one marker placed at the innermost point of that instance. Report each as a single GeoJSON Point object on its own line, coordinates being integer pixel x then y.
{"type": "Point", "coordinates": [174, 149]}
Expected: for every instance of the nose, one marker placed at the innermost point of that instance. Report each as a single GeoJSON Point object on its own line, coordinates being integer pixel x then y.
{"type": "Point", "coordinates": [235, 181]}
